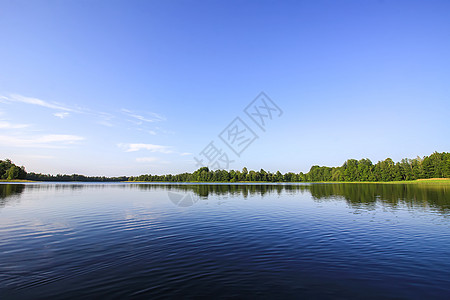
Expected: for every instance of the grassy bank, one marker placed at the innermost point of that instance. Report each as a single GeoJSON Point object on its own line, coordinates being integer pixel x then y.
{"type": "Point", "coordinates": [418, 181]}
{"type": "Point", "coordinates": [15, 180]}
{"type": "Point", "coordinates": [445, 181]}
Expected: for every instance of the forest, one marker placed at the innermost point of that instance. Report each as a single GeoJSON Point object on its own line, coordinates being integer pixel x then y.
{"type": "Point", "coordinates": [436, 165]}
{"type": "Point", "coordinates": [9, 171]}
{"type": "Point", "coordinates": [73, 177]}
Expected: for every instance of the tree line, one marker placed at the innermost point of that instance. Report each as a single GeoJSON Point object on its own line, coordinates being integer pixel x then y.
{"type": "Point", "coordinates": [9, 171]}
{"type": "Point", "coordinates": [73, 177]}
{"type": "Point", "coordinates": [436, 165]}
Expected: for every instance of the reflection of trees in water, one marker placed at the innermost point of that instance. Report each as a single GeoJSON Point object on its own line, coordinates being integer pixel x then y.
{"type": "Point", "coordinates": [367, 195]}
{"type": "Point", "coordinates": [206, 190]}
{"type": "Point", "coordinates": [11, 191]}
{"type": "Point", "coordinates": [357, 195]}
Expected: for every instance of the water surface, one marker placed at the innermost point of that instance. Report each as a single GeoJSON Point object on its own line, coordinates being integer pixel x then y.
{"type": "Point", "coordinates": [224, 241]}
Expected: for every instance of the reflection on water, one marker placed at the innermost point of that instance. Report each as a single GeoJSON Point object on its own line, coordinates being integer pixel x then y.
{"type": "Point", "coordinates": [10, 191]}
{"type": "Point", "coordinates": [392, 195]}
{"type": "Point", "coordinates": [356, 195]}
{"type": "Point", "coordinates": [366, 195]}
{"type": "Point", "coordinates": [140, 241]}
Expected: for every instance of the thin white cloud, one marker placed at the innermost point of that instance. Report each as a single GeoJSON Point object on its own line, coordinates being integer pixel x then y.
{"type": "Point", "coordinates": [8, 125]}
{"type": "Point", "coordinates": [66, 138]}
{"type": "Point", "coordinates": [61, 115]}
{"type": "Point", "coordinates": [34, 156]}
{"type": "Point", "coordinates": [152, 160]}
{"type": "Point", "coordinates": [63, 111]}
{"type": "Point", "coordinates": [149, 116]}
{"type": "Point", "coordinates": [105, 119]}
{"type": "Point", "coordinates": [147, 159]}
{"type": "Point", "coordinates": [185, 153]}
{"type": "Point", "coordinates": [46, 141]}
{"type": "Point", "coordinates": [149, 147]}
{"type": "Point", "coordinates": [164, 131]}
{"type": "Point", "coordinates": [36, 101]}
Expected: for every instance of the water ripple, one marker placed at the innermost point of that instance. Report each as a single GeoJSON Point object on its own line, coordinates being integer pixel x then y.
{"type": "Point", "coordinates": [104, 241]}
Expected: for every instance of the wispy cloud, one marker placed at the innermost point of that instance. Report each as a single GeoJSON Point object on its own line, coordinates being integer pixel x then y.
{"type": "Point", "coordinates": [108, 119]}
{"type": "Point", "coordinates": [7, 125]}
{"type": "Point", "coordinates": [61, 115]}
{"type": "Point", "coordinates": [36, 101]}
{"type": "Point", "coordinates": [47, 141]}
{"type": "Point", "coordinates": [152, 160]}
{"type": "Point", "coordinates": [149, 147]}
{"type": "Point", "coordinates": [164, 131]}
{"type": "Point", "coordinates": [149, 117]}
{"type": "Point", "coordinates": [34, 156]}
{"type": "Point", "coordinates": [147, 159]}
{"type": "Point", "coordinates": [105, 119]}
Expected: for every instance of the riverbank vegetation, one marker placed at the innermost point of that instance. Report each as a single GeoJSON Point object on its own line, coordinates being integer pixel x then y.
{"type": "Point", "coordinates": [436, 165]}
{"type": "Point", "coordinates": [73, 177]}
{"type": "Point", "coordinates": [9, 171]}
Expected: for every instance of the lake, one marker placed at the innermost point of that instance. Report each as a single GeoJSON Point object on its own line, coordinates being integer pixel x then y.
{"type": "Point", "coordinates": [151, 241]}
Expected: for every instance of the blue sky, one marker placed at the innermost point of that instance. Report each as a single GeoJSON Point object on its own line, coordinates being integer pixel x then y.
{"type": "Point", "coordinates": [132, 87]}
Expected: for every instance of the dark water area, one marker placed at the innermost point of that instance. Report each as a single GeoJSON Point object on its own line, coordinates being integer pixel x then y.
{"type": "Point", "coordinates": [241, 241]}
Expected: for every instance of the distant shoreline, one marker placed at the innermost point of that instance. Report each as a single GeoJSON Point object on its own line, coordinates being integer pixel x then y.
{"type": "Point", "coordinates": [16, 180]}
{"type": "Point", "coordinates": [417, 181]}
{"type": "Point", "coordinates": [435, 167]}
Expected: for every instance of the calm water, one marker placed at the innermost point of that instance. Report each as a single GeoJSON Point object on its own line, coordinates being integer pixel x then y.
{"type": "Point", "coordinates": [223, 241]}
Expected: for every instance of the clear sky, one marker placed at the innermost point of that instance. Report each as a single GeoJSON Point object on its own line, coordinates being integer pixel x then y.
{"type": "Point", "coordinates": [132, 87]}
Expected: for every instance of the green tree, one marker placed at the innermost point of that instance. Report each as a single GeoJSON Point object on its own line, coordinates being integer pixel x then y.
{"type": "Point", "coordinates": [350, 168]}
